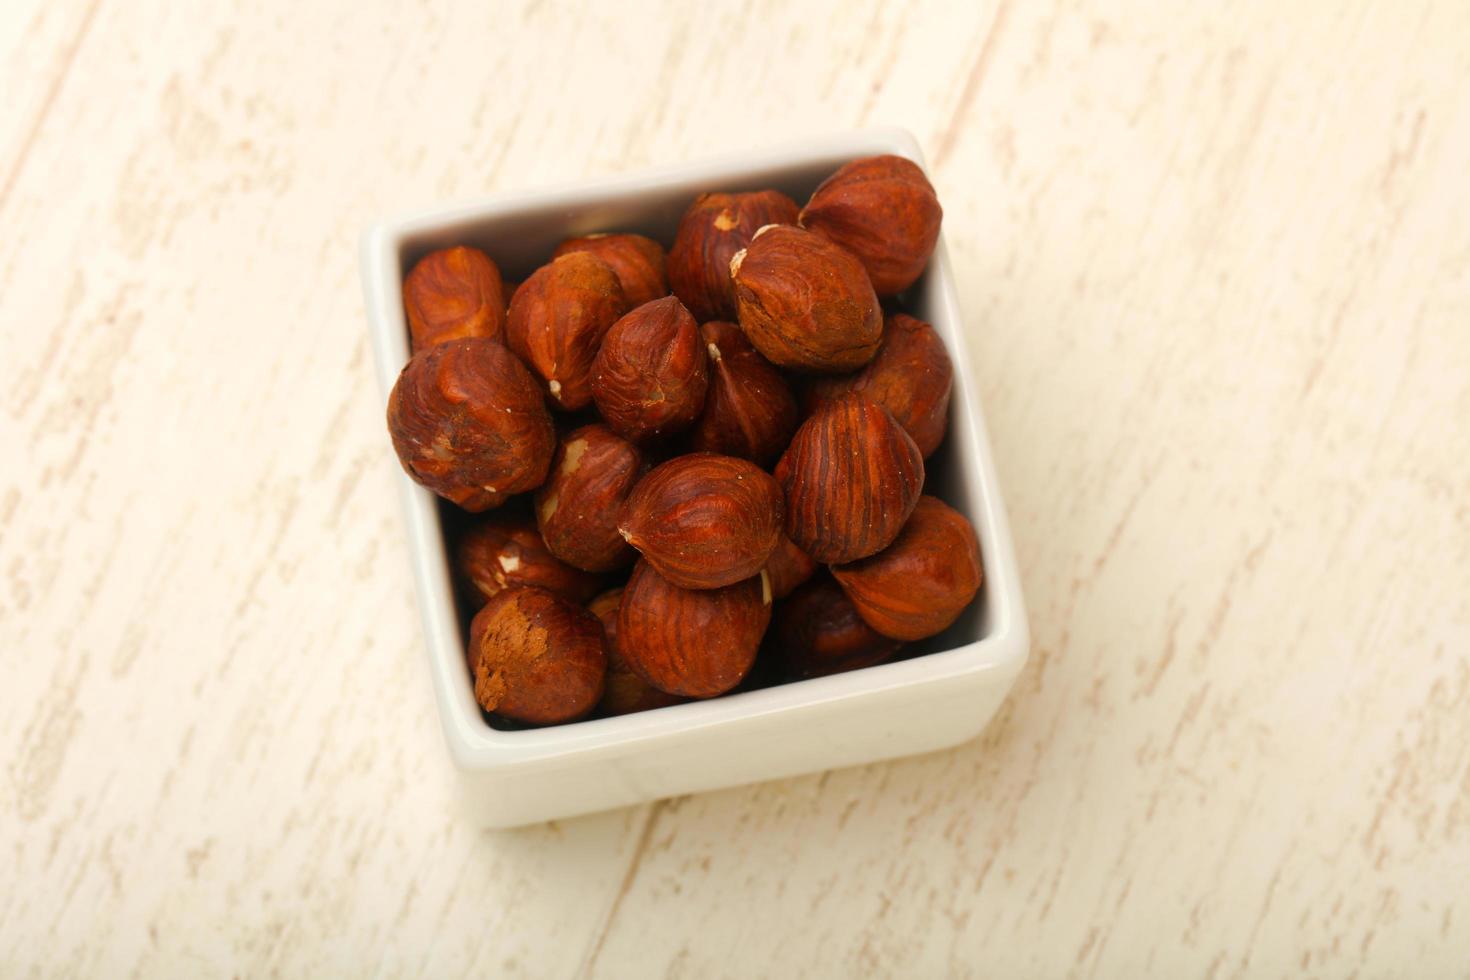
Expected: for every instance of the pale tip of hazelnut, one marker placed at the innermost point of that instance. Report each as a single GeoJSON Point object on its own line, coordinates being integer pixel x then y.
{"type": "Point", "coordinates": [724, 221]}
{"type": "Point", "coordinates": [762, 230]}
{"type": "Point", "coordinates": [554, 386]}
{"type": "Point", "coordinates": [735, 261]}
{"type": "Point", "coordinates": [510, 562]}
{"type": "Point", "coordinates": [765, 587]}
{"type": "Point", "coordinates": [572, 460]}
{"type": "Point", "coordinates": [714, 353]}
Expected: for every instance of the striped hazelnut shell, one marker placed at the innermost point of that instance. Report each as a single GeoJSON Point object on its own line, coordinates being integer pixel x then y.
{"type": "Point", "coordinates": [919, 584]}
{"type": "Point", "coordinates": [712, 230]}
{"type": "Point", "coordinates": [749, 410]}
{"type": "Point", "coordinates": [499, 552]}
{"type": "Point", "coordinates": [884, 211]}
{"type": "Point", "coordinates": [636, 260]}
{"type": "Point", "coordinates": [788, 568]}
{"type": "Point", "coordinates": [469, 422]}
{"type": "Point", "coordinates": [695, 643]}
{"type": "Point", "coordinates": [851, 477]}
{"type": "Point", "coordinates": [624, 692]}
{"type": "Point", "coordinates": [540, 657]}
{"type": "Point", "coordinates": [650, 377]}
{"type": "Point", "coordinates": [911, 377]}
{"type": "Point", "coordinates": [454, 293]}
{"type": "Point", "coordinates": [557, 320]}
{"type": "Point", "coordinates": [704, 520]}
{"type": "Point", "coordinates": [804, 303]}
{"type": "Point", "coordinates": [818, 631]}
{"type": "Point", "coordinates": [577, 508]}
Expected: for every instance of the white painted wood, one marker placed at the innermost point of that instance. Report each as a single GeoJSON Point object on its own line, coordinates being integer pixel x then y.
{"type": "Point", "coordinates": [38, 43]}
{"type": "Point", "coordinates": [1214, 264]}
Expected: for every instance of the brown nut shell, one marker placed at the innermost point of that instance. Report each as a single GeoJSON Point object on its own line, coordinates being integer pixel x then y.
{"type": "Point", "coordinates": [540, 657]}
{"type": "Point", "coordinates": [452, 294]}
{"type": "Point", "coordinates": [704, 520]}
{"type": "Point", "coordinates": [469, 422]}
{"type": "Point", "coordinates": [577, 508]}
{"type": "Point", "coordinates": [851, 478]}
{"type": "Point", "coordinates": [819, 632]}
{"type": "Point", "coordinates": [788, 568]}
{"type": "Point", "coordinates": [650, 377]}
{"type": "Point", "coordinates": [805, 303]}
{"type": "Point", "coordinates": [749, 410]}
{"type": "Point", "coordinates": [715, 227]}
{"type": "Point", "coordinates": [696, 643]}
{"type": "Point", "coordinates": [883, 210]}
{"type": "Point", "coordinates": [557, 321]}
{"type": "Point", "coordinates": [500, 552]}
{"type": "Point", "coordinates": [625, 692]}
{"type": "Point", "coordinates": [636, 260]}
{"type": "Point", "coordinates": [918, 585]}
{"type": "Point", "coordinates": [911, 377]}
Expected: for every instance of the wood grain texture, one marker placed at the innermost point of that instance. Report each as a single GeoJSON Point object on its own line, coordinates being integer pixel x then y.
{"type": "Point", "coordinates": [1215, 268]}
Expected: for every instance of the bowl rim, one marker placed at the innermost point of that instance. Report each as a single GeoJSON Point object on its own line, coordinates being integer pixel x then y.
{"type": "Point", "coordinates": [475, 744]}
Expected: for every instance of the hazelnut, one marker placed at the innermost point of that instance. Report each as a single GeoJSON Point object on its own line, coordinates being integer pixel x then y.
{"type": "Point", "coordinates": [692, 642]}
{"type": "Point", "coordinates": [604, 606]}
{"type": "Point", "coordinates": [911, 377]}
{"type": "Point", "coordinates": [501, 551]}
{"type": "Point", "coordinates": [558, 319]}
{"type": "Point", "coordinates": [749, 411]}
{"type": "Point", "coordinates": [577, 508]}
{"type": "Point", "coordinates": [919, 584]}
{"type": "Point", "coordinates": [638, 262]}
{"type": "Point", "coordinates": [624, 692]}
{"type": "Point", "coordinates": [883, 210]}
{"type": "Point", "coordinates": [851, 477]}
{"type": "Point", "coordinates": [469, 422]}
{"type": "Point", "coordinates": [715, 227]}
{"type": "Point", "coordinates": [650, 376]}
{"type": "Point", "coordinates": [452, 294]}
{"type": "Point", "coordinates": [818, 632]}
{"type": "Point", "coordinates": [539, 657]}
{"type": "Point", "coordinates": [805, 303]}
{"type": "Point", "coordinates": [704, 520]}
{"type": "Point", "coordinates": [788, 568]}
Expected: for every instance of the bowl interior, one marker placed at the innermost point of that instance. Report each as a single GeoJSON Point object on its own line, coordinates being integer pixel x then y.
{"type": "Point", "coordinates": [520, 231]}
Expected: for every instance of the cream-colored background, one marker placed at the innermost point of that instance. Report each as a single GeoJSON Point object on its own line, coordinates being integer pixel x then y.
{"type": "Point", "coordinates": [1216, 267]}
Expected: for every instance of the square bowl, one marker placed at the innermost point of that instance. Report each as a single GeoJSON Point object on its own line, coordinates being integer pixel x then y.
{"type": "Point", "coordinates": [941, 697]}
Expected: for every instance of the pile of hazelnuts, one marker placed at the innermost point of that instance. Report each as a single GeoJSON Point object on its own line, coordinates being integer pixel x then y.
{"type": "Point", "coordinates": [734, 430]}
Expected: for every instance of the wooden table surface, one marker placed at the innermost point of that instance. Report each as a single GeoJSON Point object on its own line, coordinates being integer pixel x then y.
{"type": "Point", "coordinates": [1216, 269]}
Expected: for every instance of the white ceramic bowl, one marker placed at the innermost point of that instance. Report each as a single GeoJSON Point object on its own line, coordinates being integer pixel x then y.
{"type": "Point", "coordinates": [915, 705]}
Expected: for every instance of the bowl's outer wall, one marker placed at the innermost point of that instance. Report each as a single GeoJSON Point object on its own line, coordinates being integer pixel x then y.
{"type": "Point", "coordinates": [915, 705]}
